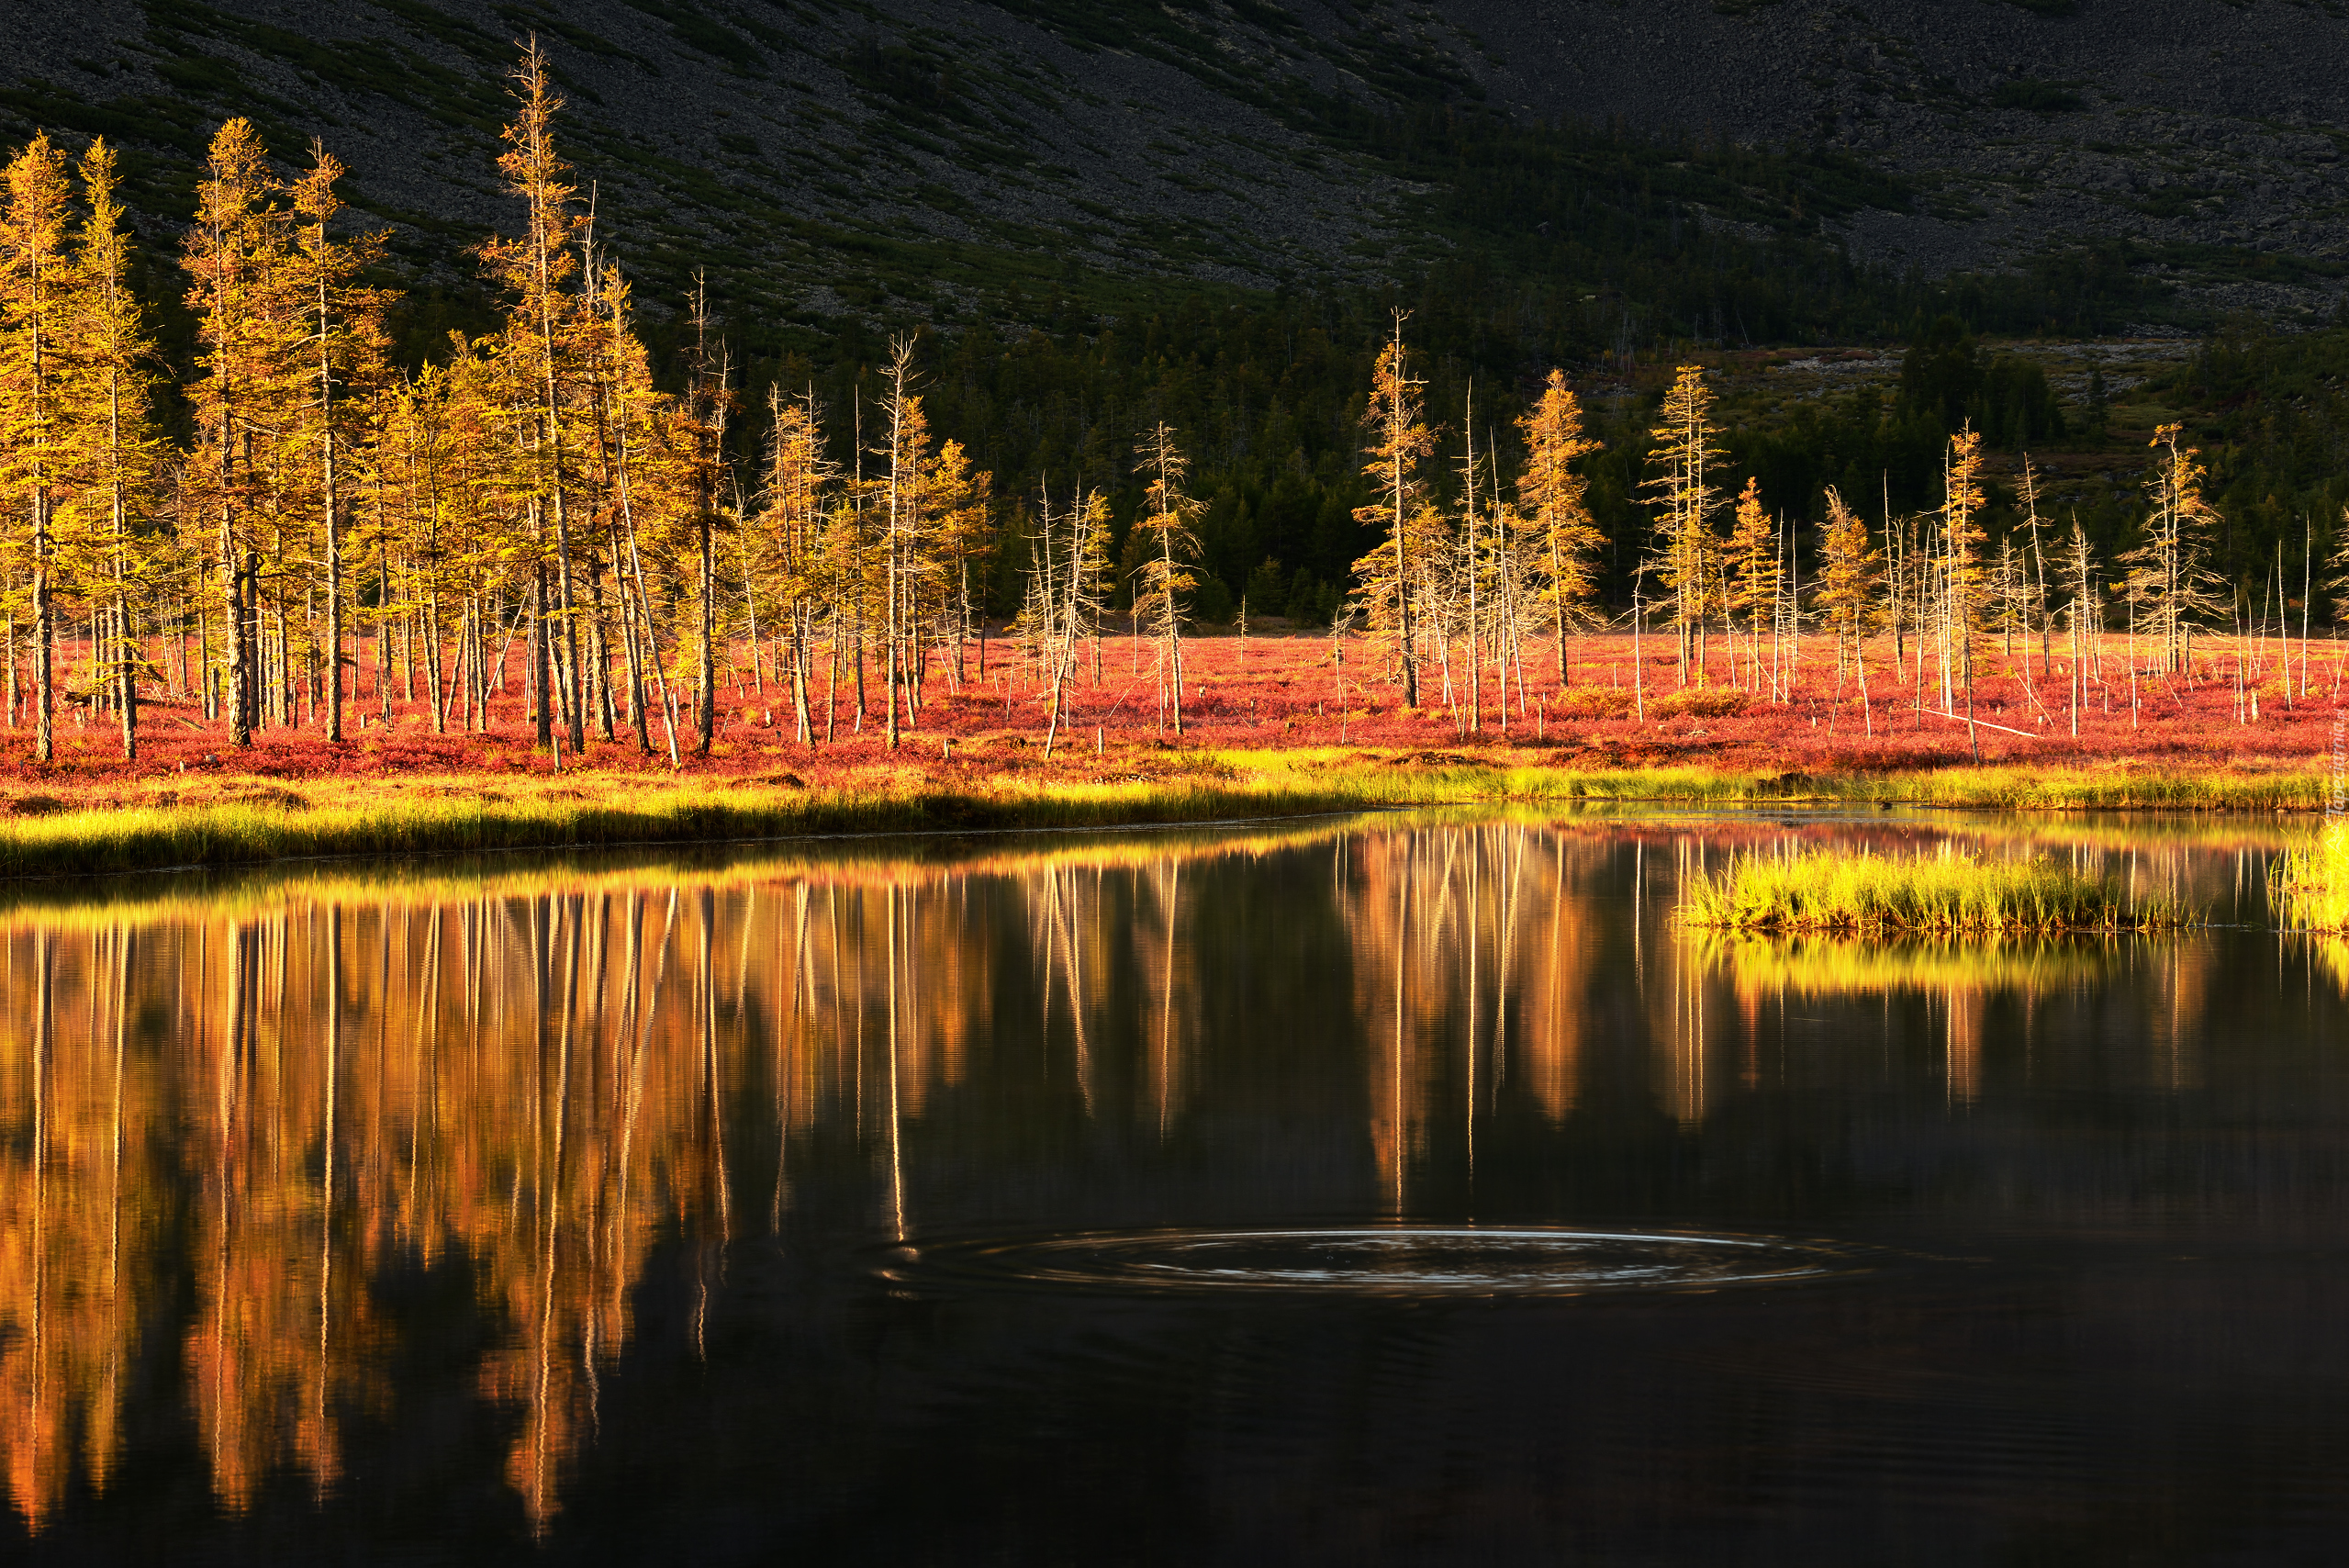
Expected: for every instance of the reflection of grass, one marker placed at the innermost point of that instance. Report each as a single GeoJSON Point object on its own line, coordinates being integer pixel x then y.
{"type": "Point", "coordinates": [1831, 965]}
{"type": "Point", "coordinates": [2313, 881]}
{"type": "Point", "coordinates": [876, 861]}
{"type": "Point", "coordinates": [2332, 952]}
{"type": "Point", "coordinates": [2204, 831]}
{"type": "Point", "coordinates": [1860, 892]}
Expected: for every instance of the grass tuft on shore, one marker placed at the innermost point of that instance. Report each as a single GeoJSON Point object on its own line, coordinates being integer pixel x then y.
{"type": "Point", "coordinates": [1861, 892]}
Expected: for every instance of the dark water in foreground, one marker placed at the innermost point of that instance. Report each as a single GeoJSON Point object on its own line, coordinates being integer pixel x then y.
{"type": "Point", "coordinates": [1387, 1191]}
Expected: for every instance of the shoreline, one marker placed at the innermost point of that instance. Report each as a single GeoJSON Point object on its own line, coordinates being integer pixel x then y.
{"type": "Point", "coordinates": [97, 829]}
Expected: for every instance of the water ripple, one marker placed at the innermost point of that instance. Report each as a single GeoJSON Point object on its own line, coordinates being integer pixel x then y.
{"type": "Point", "coordinates": [1396, 1260]}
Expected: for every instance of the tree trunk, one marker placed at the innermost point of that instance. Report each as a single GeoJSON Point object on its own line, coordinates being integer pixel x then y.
{"type": "Point", "coordinates": [44, 634]}
{"type": "Point", "coordinates": [232, 592]}
{"type": "Point", "coordinates": [333, 536]}
{"type": "Point", "coordinates": [541, 709]}
{"type": "Point", "coordinates": [706, 676]}
{"type": "Point", "coordinates": [576, 714]}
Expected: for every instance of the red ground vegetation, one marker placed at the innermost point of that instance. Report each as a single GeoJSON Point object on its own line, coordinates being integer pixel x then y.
{"type": "Point", "coordinates": [1285, 692]}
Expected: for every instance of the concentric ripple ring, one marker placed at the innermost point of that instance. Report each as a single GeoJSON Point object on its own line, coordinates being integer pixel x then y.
{"type": "Point", "coordinates": [1396, 1261]}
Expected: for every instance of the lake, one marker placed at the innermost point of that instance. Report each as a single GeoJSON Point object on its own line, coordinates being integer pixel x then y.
{"type": "Point", "coordinates": [1393, 1189]}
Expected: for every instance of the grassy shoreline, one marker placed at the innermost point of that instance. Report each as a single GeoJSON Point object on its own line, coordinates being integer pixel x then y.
{"type": "Point", "coordinates": [252, 821]}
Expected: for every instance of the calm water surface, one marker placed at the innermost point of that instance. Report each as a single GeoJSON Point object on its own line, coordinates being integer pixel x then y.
{"type": "Point", "coordinates": [1366, 1191]}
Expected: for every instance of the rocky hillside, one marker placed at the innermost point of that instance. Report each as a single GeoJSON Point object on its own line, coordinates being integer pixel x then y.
{"type": "Point", "coordinates": [830, 159]}
{"type": "Point", "coordinates": [2209, 132]}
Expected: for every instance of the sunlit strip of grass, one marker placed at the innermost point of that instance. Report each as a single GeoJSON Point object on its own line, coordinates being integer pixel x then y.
{"type": "Point", "coordinates": [1861, 892]}
{"type": "Point", "coordinates": [592, 811]}
{"type": "Point", "coordinates": [2105, 788]}
{"type": "Point", "coordinates": [610, 813]}
{"type": "Point", "coordinates": [1434, 777]}
{"type": "Point", "coordinates": [2311, 880]}
{"type": "Point", "coordinates": [240, 891]}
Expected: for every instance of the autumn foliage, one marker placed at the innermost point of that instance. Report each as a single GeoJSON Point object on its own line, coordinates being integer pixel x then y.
{"type": "Point", "coordinates": [529, 552]}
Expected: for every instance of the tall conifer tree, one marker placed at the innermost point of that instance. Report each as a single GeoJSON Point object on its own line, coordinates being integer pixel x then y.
{"type": "Point", "coordinates": [1851, 574]}
{"type": "Point", "coordinates": [113, 440]}
{"type": "Point", "coordinates": [1558, 517]}
{"type": "Point", "coordinates": [343, 323]}
{"type": "Point", "coordinates": [1687, 550]}
{"type": "Point", "coordinates": [249, 357]}
{"type": "Point", "coordinates": [1402, 442]}
{"type": "Point", "coordinates": [36, 312]}
{"type": "Point", "coordinates": [1962, 569]}
{"type": "Point", "coordinates": [1753, 571]}
{"type": "Point", "coordinates": [1166, 578]}
{"type": "Point", "coordinates": [540, 350]}
{"type": "Point", "coordinates": [2170, 572]}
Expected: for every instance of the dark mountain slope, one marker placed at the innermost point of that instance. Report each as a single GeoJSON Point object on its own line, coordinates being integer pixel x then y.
{"type": "Point", "coordinates": [2193, 127]}
{"type": "Point", "coordinates": [929, 157]}
{"type": "Point", "coordinates": [1198, 210]}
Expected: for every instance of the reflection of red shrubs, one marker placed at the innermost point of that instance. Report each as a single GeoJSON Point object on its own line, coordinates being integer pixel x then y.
{"type": "Point", "coordinates": [1282, 692]}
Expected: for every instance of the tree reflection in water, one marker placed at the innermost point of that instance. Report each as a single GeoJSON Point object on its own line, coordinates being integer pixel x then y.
{"type": "Point", "coordinates": [235, 1123]}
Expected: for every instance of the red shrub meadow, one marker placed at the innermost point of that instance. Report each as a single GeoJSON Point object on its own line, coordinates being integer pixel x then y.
{"type": "Point", "coordinates": [2237, 709]}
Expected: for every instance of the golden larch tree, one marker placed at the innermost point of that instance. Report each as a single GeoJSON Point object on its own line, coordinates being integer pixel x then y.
{"type": "Point", "coordinates": [114, 444]}
{"type": "Point", "coordinates": [1556, 511]}
{"type": "Point", "coordinates": [1961, 571]}
{"type": "Point", "coordinates": [1753, 573]}
{"type": "Point", "coordinates": [1164, 523]}
{"type": "Point", "coordinates": [906, 435]}
{"type": "Point", "coordinates": [1389, 573]}
{"type": "Point", "coordinates": [540, 350]}
{"type": "Point", "coordinates": [786, 546]}
{"type": "Point", "coordinates": [36, 309]}
{"type": "Point", "coordinates": [2169, 572]}
{"type": "Point", "coordinates": [1851, 575]}
{"type": "Point", "coordinates": [251, 379]}
{"type": "Point", "coordinates": [1687, 550]}
{"type": "Point", "coordinates": [343, 321]}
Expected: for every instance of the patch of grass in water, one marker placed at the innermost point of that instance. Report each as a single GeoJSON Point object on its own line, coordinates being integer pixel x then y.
{"type": "Point", "coordinates": [1861, 892]}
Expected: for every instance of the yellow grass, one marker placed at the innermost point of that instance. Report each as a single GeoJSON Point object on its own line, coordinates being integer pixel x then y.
{"type": "Point", "coordinates": [1858, 892]}
{"type": "Point", "coordinates": [252, 820]}
{"type": "Point", "coordinates": [1437, 777]}
{"type": "Point", "coordinates": [49, 904]}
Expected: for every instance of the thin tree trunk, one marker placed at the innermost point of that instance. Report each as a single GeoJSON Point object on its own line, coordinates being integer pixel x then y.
{"type": "Point", "coordinates": [541, 696]}
{"type": "Point", "coordinates": [706, 675]}
{"type": "Point", "coordinates": [44, 632]}
{"type": "Point", "coordinates": [575, 709]}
